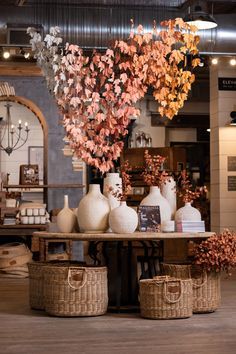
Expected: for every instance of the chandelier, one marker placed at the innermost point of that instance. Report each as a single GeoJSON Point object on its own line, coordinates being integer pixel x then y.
{"type": "Point", "coordinates": [11, 137]}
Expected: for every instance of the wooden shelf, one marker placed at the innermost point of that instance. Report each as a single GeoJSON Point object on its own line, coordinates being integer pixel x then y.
{"type": "Point", "coordinates": [27, 186]}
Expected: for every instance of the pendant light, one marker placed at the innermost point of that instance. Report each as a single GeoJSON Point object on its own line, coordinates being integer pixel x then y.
{"type": "Point", "coordinates": [201, 19]}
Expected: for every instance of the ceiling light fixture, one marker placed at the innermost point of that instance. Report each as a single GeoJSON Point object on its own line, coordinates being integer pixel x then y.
{"type": "Point", "coordinates": [214, 61]}
{"type": "Point", "coordinates": [232, 62]}
{"type": "Point", "coordinates": [6, 54]}
{"type": "Point", "coordinates": [201, 19]}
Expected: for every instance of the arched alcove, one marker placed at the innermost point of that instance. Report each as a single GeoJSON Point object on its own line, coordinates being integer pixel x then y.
{"type": "Point", "coordinates": [38, 115]}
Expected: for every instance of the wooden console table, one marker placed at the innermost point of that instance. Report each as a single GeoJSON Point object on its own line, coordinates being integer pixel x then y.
{"type": "Point", "coordinates": [24, 231]}
{"type": "Point", "coordinates": [122, 264]}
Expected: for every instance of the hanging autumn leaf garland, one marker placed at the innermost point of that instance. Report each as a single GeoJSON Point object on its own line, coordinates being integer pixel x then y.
{"type": "Point", "coordinates": [97, 101]}
{"type": "Point", "coordinates": [97, 94]}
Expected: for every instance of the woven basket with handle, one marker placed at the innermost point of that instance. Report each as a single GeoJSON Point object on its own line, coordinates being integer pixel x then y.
{"type": "Point", "coordinates": [206, 285]}
{"type": "Point", "coordinates": [75, 290]}
{"type": "Point", "coordinates": [36, 280]}
{"type": "Point", "coordinates": [165, 298]}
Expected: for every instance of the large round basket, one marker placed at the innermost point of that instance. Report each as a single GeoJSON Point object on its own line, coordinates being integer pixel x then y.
{"type": "Point", "coordinates": [75, 290]}
{"type": "Point", "coordinates": [36, 280]}
{"type": "Point", "coordinates": [165, 298]}
{"type": "Point", "coordinates": [206, 285]}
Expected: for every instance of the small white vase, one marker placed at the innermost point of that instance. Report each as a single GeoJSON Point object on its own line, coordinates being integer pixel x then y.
{"type": "Point", "coordinates": [155, 198]}
{"type": "Point", "coordinates": [66, 219]}
{"type": "Point", "coordinates": [187, 213]}
{"type": "Point", "coordinates": [112, 180]}
{"type": "Point", "coordinates": [168, 190]}
{"type": "Point", "coordinates": [123, 219]}
{"type": "Point", "coordinates": [93, 211]}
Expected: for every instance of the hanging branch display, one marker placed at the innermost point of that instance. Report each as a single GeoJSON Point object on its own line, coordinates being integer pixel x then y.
{"type": "Point", "coordinates": [97, 94]}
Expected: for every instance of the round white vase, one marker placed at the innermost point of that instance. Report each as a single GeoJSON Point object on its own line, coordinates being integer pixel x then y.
{"type": "Point", "coordinates": [93, 211]}
{"type": "Point", "coordinates": [155, 198]}
{"type": "Point", "coordinates": [168, 190]}
{"type": "Point", "coordinates": [66, 218]}
{"type": "Point", "coordinates": [112, 180]}
{"type": "Point", "coordinates": [187, 213]}
{"type": "Point", "coordinates": [123, 219]}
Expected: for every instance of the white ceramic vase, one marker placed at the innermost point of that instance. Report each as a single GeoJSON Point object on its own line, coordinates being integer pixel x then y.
{"type": "Point", "coordinates": [66, 218]}
{"type": "Point", "coordinates": [168, 190]}
{"type": "Point", "coordinates": [123, 219]}
{"type": "Point", "coordinates": [155, 198]}
{"type": "Point", "coordinates": [93, 211]}
{"type": "Point", "coordinates": [112, 180]}
{"type": "Point", "coordinates": [187, 213]}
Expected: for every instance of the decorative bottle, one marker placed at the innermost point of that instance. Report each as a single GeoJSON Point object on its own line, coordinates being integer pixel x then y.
{"type": "Point", "coordinates": [66, 219]}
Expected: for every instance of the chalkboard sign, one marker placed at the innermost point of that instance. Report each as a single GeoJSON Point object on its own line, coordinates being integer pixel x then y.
{"type": "Point", "coordinates": [227, 83]}
{"type": "Point", "coordinates": [231, 163]}
{"type": "Point", "coordinates": [231, 183]}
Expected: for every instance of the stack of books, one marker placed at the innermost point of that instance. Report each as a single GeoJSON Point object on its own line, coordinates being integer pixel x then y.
{"type": "Point", "coordinates": [9, 219]}
{"type": "Point", "coordinates": [190, 226]}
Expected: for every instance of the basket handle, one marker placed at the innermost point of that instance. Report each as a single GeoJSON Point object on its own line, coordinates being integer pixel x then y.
{"type": "Point", "coordinates": [84, 279]}
{"type": "Point", "coordinates": [204, 281]}
{"type": "Point", "coordinates": [166, 291]}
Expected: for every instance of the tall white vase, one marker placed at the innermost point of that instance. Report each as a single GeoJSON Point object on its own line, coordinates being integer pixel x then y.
{"type": "Point", "coordinates": [168, 190]}
{"type": "Point", "coordinates": [66, 218]}
{"type": "Point", "coordinates": [93, 211]}
{"type": "Point", "coordinates": [112, 180]}
{"type": "Point", "coordinates": [123, 220]}
{"type": "Point", "coordinates": [187, 213]}
{"type": "Point", "coordinates": [155, 198]}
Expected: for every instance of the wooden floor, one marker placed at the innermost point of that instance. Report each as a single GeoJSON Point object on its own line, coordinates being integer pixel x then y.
{"type": "Point", "coordinates": [23, 331]}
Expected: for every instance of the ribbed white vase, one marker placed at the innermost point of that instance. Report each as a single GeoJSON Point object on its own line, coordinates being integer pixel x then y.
{"type": "Point", "coordinates": [112, 180]}
{"type": "Point", "coordinates": [168, 190]}
{"type": "Point", "coordinates": [66, 218]}
{"type": "Point", "coordinates": [123, 219]}
{"type": "Point", "coordinates": [156, 198]}
{"type": "Point", "coordinates": [93, 211]}
{"type": "Point", "coordinates": [187, 213]}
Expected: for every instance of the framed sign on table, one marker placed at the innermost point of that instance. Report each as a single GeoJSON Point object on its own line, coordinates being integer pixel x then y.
{"type": "Point", "coordinates": [35, 156]}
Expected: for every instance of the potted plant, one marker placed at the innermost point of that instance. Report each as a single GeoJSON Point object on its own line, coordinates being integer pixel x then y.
{"type": "Point", "coordinates": [154, 176]}
{"type": "Point", "coordinates": [123, 219]}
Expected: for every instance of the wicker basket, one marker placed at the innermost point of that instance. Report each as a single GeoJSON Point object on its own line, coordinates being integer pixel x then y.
{"type": "Point", "coordinates": [36, 298]}
{"type": "Point", "coordinates": [206, 286]}
{"type": "Point", "coordinates": [75, 291]}
{"type": "Point", "coordinates": [36, 281]}
{"type": "Point", "coordinates": [165, 298]}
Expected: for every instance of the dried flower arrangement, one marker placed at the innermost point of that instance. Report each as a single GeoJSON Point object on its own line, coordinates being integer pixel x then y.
{"type": "Point", "coordinates": [217, 253]}
{"type": "Point", "coordinates": [121, 194]}
{"type": "Point", "coordinates": [154, 175]}
{"type": "Point", "coordinates": [97, 94]}
{"type": "Point", "coordinates": [185, 189]}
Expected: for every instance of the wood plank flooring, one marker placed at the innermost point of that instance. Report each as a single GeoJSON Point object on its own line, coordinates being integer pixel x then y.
{"type": "Point", "coordinates": [24, 331]}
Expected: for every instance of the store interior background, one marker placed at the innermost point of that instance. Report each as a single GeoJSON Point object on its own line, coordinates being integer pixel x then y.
{"type": "Point", "coordinates": [92, 24]}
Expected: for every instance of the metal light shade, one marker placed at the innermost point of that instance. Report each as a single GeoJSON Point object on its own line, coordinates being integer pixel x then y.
{"type": "Point", "coordinates": [200, 19]}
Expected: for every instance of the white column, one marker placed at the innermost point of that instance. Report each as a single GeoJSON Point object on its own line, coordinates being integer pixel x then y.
{"type": "Point", "coordinates": [222, 145]}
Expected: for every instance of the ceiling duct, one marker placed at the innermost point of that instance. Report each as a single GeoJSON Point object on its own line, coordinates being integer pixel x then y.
{"type": "Point", "coordinates": [96, 26]}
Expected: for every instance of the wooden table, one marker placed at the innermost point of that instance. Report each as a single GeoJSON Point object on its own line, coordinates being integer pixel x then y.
{"type": "Point", "coordinates": [24, 231]}
{"type": "Point", "coordinates": [123, 266]}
